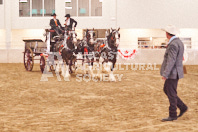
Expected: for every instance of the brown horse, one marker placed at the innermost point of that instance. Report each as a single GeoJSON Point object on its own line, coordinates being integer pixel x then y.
{"type": "Point", "coordinates": [88, 49]}
{"type": "Point", "coordinates": [67, 50]}
{"type": "Point", "coordinates": [109, 52]}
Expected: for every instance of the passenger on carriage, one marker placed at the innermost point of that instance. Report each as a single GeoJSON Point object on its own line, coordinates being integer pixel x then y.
{"type": "Point", "coordinates": [56, 26]}
{"type": "Point", "coordinates": [69, 22]}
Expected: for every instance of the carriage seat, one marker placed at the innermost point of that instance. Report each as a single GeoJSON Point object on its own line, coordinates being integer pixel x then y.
{"type": "Point", "coordinates": [57, 38]}
{"type": "Point", "coordinates": [50, 30]}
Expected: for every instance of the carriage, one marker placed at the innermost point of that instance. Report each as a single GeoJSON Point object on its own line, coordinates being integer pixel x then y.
{"type": "Point", "coordinates": [35, 48]}
{"type": "Point", "coordinates": [66, 46]}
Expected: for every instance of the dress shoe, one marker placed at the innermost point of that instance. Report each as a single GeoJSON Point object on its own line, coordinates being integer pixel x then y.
{"type": "Point", "coordinates": [182, 112]}
{"type": "Point", "coordinates": [169, 119]}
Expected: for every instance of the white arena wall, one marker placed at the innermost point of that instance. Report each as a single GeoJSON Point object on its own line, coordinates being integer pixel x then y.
{"type": "Point", "coordinates": [155, 14]}
{"type": "Point", "coordinates": [136, 18]}
{"type": "Point", "coordinates": [127, 14]}
{"type": "Point", "coordinates": [1, 16]}
{"type": "Point", "coordinates": [151, 56]}
{"type": "Point", "coordinates": [14, 55]}
{"type": "Point", "coordinates": [156, 56]}
{"type": "Point", "coordinates": [105, 21]}
{"type": "Point", "coordinates": [129, 39]}
{"type": "Point", "coordinates": [2, 39]}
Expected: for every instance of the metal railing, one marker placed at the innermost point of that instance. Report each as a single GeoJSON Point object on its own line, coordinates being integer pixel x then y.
{"type": "Point", "coordinates": [149, 45]}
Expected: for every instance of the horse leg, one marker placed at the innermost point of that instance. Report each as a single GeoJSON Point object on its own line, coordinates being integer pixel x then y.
{"type": "Point", "coordinates": [70, 70]}
{"type": "Point", "coordinates": [111, 76]}
{"type": "Point", "coordinates": [107, 64]}
{"type": "Point", "coordinates": [70, 65]}
{"type": "Point", "coordinates": [57, 69]}
{"type": "Point", "coordinates": [98, 68]}
{"type": "Point", "coordinates": [58, 66]}
{"type": "Point", "coordinates": [73, 65]}
{"type": "Point", "coordinates": [91, 67]}
{"type": "Point", "coordinates": [83, 64]}
{"type": "Point", "coordinates": [63, 69]}
{"type": "Point", "coordinates": [67, 75]}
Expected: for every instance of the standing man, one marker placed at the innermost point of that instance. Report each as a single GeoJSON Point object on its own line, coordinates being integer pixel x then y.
{"type": "Point", "coordinates": [171, 71]}
{"type": "Point", "coordinates": [55, 24]}
{"type": "Point", "coordinates": [69, 22]}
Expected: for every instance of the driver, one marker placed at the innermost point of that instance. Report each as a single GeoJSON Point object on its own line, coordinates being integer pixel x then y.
{"type": "Point", "coordinates": [55, 25]}
{"type": "Point", "coordinates": [69, 22]}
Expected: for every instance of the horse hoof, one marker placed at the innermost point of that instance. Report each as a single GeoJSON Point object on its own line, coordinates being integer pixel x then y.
{"type": "Point", "coordinates": [66, 79]}
{"type": "Point", "coordinates": [67, 75]}
{"type": "Point", "coordinates": [112, 78]}
{"type": "Point", "coordinates": [63, 74]}
{"type": "Point", "coordinates": [97, 76]}
{"type": "Point", "coordinates": [93, 75]}
{"type": "Point", "coordinates": [106, 70]}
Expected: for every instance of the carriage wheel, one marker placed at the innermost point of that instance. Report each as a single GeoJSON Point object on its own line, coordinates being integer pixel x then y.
{"type": "Point", "coordinates": [28, 59]}
{"type": "Point", "coordinates": [42, 63]}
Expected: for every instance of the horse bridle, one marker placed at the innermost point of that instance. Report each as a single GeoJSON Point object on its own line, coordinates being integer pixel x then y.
{"type": "Point", "coordinates": [70, 38]}
{"type": "Point", "coordinates": [71, 34]}
{"type": "Point", "coordinates": [113, 38]}
{"type": "Point", "coordinates": [88, 36]}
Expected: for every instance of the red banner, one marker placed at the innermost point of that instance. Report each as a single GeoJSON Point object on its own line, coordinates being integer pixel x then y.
{"type": "Point", "coordinates": [127, 54]}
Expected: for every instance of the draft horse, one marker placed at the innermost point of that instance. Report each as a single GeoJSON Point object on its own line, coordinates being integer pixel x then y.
{"type": "Point", "coordinates": [109, 52]}
{"type": "Point", "coordinates": [67, 50]}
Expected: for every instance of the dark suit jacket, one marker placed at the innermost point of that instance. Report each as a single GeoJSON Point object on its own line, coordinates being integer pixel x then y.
{"type": "Point", "coordinates": [52, 23]}
{"type": "Point", "coordinates": [71, 23]}
{"type": "Point", "coordinates": [172, 66]}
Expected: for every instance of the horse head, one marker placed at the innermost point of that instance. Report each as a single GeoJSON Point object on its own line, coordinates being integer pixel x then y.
{"type": "Point", "coordinates": [73, 36]}
{"type": "Point", "coordinates": [114, 38]}
{"type": "Point", "coordinates": [90, 34]}
{"type": "Point", "coordinates": [72, 40]}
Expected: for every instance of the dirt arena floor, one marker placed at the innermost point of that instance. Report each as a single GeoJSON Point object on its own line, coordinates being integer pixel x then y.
{"type": "Point", "coordinates": [134, 104]}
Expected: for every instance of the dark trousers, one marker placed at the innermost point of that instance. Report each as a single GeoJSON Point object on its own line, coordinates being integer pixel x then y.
{"type": "Point", "coordinates": [58, 30]}
{"type": "Point", "coordinates": [170, 89]}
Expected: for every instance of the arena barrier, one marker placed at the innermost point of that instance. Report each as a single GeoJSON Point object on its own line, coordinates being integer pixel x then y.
{"type": "Point", "coordinates": [154, 56]}
{"type": "Point", "coordinates": [140, 56]}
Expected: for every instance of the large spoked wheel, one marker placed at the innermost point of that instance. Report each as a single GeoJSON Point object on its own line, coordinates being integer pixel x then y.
{"type": "Point", "coordinates": [28, 59]}
{"type": "Point", "coordinates": [42, 63]}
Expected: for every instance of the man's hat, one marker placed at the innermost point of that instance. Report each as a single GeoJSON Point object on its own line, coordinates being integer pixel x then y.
{"type": "Point", "coordinates": [68, 15]}
{"type": "Point", "coordinates": [171, 29]}
{"type": "Point", "coordinates": [54, 14]}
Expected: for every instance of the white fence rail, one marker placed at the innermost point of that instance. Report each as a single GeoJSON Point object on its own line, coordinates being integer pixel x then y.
{"type": "Point", "coordinates": [157, 55]}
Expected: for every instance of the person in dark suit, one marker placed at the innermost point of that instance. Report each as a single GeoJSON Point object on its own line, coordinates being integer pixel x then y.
{"type": "Point", "coordinates": [171, 71]}
{"type": "Point", "coordinates": [69, 22]}
{"type": "Point", "coordinates": [56, 25]}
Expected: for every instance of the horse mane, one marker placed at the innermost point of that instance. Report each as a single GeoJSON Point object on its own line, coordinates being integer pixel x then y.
{"type": "Point", "coordinates": [109, 37]}
{"type": "Point", "coordinates": [69, 42]}
{"type": "Point", "coordinates": [86, 33]}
